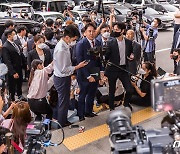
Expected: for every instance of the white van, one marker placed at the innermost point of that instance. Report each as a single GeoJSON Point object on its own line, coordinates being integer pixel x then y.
{"type": "Point", "coordinates": [13, 9]}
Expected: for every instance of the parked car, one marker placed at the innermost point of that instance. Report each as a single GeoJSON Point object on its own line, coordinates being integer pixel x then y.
{"type": "Point", "coordinates": [13, 9]}
{"type": "Point", "coordinates": [18, 21]}
{"type": "Point", "coordinates": [150, 14]}
{"type": "Point", "coordinates": [165, 8]}
{"type": "Point", "coordinates": [43, 16]}
{"type": "Point", "coordinates": [50, 5]}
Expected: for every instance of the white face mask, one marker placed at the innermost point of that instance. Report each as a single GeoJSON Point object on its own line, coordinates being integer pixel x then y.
{"type": "Point", "coordinates": [106, 35]}
{"type": "Point", "coordinates": [15, 37]}
{"type": "Point", "coordinates": [152, 24]}
{"type": "Point", "coordinates": [41, 45]}
{"type": "Point", "coordinates": [72, 43]}
{"type": "Point", "coordinates": [141, 71]}
{"type": "Point", "coordinates": [94, 17]}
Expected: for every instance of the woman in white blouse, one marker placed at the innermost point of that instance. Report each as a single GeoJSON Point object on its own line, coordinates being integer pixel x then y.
{"type": "Point", "coordinates": [38, 88]}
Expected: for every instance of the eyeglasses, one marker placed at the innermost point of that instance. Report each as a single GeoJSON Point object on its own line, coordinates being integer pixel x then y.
{"type": "Point", "coordinates": [106, 31]}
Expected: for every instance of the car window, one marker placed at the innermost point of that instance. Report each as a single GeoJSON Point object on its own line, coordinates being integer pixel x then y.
{"type": "Point", "coordinates": [24, 9]}
{"type": "Point", "coordinates": [170, 8]}
{"type": "Point", "coordinates": [39, 18]}
{"type": "Point", "coordinates": [159, 8]}
{"type": "Point", "coordinates": [52, 7]}
{"type": "Point", "coordinates": [36, 5]}
{"type": "Point", "coordinates": [59, 6]}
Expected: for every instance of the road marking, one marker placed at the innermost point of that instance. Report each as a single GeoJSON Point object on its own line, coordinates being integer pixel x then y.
{"type": "Point", "coordinates": [165, 49]}
{"type": "Point", "coordinates": [101, 131]}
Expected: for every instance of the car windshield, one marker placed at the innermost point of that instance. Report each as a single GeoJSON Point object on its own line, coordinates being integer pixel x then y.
{"type": "Point", "coordinates": [53, 16]}
{"type": "Point", "coordinates": [150, 11]}
{"type": "Point", "coordinates": [170, 8]}
{"type": "Point", "coordinates": [59, 6]}
{"type": "Point", "coordinates": [23, 8]}
{"type": "Point", "coordinates": [123, 10]}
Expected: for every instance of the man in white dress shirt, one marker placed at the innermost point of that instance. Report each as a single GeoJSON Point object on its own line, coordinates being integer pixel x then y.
{"type": "Point", "coordinates": [63, 70]}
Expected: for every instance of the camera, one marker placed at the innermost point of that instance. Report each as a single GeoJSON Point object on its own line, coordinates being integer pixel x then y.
{"type": "Point", "coordinates": [134, 78]}
{"type": "Point", "coordinates": [165, 94]}
{"type": "Point", "coordinates": [37, 135]}
{"type": "Point", "coordinates": [151, 31]}
{"type": "Point", "coordinates": [128, 139]}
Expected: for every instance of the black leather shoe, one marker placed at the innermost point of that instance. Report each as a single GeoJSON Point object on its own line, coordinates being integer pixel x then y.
{"type": "Point", "coordinates": [81, 118]}
{"type": "Point", "coordinates": [67, 124]}
{"type": "Point", "coordinates": [90, 115]}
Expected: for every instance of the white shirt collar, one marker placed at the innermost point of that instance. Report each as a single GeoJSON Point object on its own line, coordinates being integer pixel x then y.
{"type": "Point", "coordinates": [90, 41]}
{"type": "Point", "coordinates": [64, 43]}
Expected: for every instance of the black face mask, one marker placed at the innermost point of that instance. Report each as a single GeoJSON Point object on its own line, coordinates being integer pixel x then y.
{"type": "Point", "coordinates": [175, 57]}
{"type": "Point", "coordinates": [116, 34]}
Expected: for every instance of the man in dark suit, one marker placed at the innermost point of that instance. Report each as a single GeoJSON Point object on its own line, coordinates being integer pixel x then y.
{"type": "Point", "coordinates": [105, 34]}
{"type": "Point", "coordinates": [86, 80]}
{"type": "Point", "coordinates": [136, 50]}
{"type": "Point", "coordinates": [119, 52]}
{"type": "Point", "coordinates": [12, 58]}
{"type": "Point", "coordinates": [21, 41]}
{"type": "Point", "coordinates": [176, 58]}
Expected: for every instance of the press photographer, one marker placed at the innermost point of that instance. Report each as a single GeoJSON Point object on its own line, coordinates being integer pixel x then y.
{"type": "Point", "coordinates": [142, 88]}
{"type": "Point", "coordinates": [150, 36]}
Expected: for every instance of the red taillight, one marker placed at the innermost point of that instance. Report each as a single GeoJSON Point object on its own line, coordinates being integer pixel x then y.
{"type": "Point", "coordinates": [48, 9]}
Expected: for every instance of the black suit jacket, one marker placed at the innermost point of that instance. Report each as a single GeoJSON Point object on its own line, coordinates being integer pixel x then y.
{"type": "Point", "coordinates": [12, 58]}
{"type": "Point", "coordinates": [112, 54]}
{"type": "Point", "coordinates": [136, 50]}
{"type": "Point", "coordinates": [34, 55]}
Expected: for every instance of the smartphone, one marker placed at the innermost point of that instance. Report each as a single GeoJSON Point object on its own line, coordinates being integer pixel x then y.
{"type": "Point", "coordinates": [87, 61]}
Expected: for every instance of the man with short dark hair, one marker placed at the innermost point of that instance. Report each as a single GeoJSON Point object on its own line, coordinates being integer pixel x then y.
{"type": "Point", "coordinates": [9, 24]}
{"type": "Point", "coordinates": [149, 41]}
{"type": "Point", "coordinates": [119, 52]}
{"type": "Point", "coordinates": [50, 23]}
{"type": "Point", "coordinates": [63, 70]}
{"type": "Point", "coordinates": [176, 58]}
{"type": "Point", "coordinates": [12, 58]}
{"type": "Point", "coordinates": [21, 41]}
{"type": "Point", "coordinates": [85, 76]}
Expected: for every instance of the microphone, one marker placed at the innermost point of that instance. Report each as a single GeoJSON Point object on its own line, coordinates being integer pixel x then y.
{"type": "Point", "coordinates": [95, 74]}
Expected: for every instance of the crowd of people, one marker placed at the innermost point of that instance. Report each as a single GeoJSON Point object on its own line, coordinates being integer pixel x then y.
{"type": "Point", "coordinates": [64, 72]}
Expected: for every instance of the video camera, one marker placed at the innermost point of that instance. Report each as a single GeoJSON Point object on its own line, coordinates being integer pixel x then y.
{"type": "Point", "coordinates": [98, 52]}
{"type": "Point", "coordinates": [37, 135]}
{"type": "Point", "coordinates": [128, 139]}
{"type": "Point", "coordinates": [136, 11]}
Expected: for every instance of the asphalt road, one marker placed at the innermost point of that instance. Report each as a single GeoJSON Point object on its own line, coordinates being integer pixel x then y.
{"type": "Point", "coordinates": [163, 45]}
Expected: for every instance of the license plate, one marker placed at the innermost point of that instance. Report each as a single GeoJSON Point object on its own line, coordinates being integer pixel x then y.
{"type": "Point", "coordinates": [168, 25]}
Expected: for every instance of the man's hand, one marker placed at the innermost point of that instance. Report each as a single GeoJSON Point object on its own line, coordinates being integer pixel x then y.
{"type": "Point", "coordinates": [16, 76]}
{"type": "Point", "coordinates": [91, 79]}
{"type": "Point", "coordinates": [131, 57]}
{"type": "Point", "coordinates": [141, 29]}
{"type": "Point", "coordinates": [81, 64]}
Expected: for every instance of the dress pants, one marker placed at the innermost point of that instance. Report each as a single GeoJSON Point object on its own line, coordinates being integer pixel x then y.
{"type": "Point", "coordinates": [86, 97]}
{"type": "Point", "coordinates": [15, 85]}
{"type": "Point", "coordinates": [125, 79]}
{"type": "Point", "coordinates": [62, 85]}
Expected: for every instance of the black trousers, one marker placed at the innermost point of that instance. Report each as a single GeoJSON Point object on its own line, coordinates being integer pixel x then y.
{"type": "Point", "coordinates": [39, 107]}
{"type": "Point", "coordinates": [125, 79]}
{"type": "Point", "coordinates": [105, 98]}
{"type": "Point", "coordinates": [15, 86]}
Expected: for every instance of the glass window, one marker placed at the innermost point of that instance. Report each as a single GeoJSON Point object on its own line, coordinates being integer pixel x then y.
{"type": "Point", "coordinates": [170, 8]}
{"type": "Point", "coordinates": [24, 9]}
